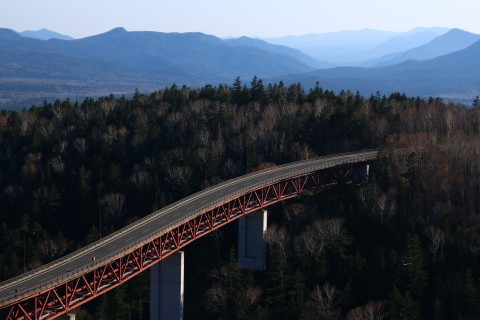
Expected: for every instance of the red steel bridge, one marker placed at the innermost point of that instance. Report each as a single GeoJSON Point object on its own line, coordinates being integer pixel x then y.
{"type": "Point", "coordinates": [61, 286]}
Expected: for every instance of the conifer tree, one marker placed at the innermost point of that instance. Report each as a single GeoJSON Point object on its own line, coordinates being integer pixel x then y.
{"type": "Point", "coordinates": [402, 307]}
{"type": "Point", "coordinates": [413, 272]}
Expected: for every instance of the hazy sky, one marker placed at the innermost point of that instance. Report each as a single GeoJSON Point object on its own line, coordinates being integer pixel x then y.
{"type": "Point", "coordinates": [263, 18]}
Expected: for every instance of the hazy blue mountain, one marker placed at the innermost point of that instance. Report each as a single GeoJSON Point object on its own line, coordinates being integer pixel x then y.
{"type": "Point", "coordinates": [120, 61]}
{"type": "Point", "coordinates": [395, 47]}
{"type": "Point", "coordinates": [45, 34]}
{"type": "Point", "coordinates": [355, 47]}
{"type": "Point", "coordinates": [195, 54]}
{"type": "Point", "coordinates": [279, 49]}
{"type": "Point", "coordinates": [437, 30]}
{"type": "Point", "coordinates": [452, 76]}
{"type": "Point", "coordinates": [7, 35]}
{"type": "Point", "coordinates": [405, 42]}
{"type": "Point", "coordinates": [366, 38]}
{"type": "Point", "coordinates": [453, 40]}
{"type": "Point", "coordinates": [390, 48]}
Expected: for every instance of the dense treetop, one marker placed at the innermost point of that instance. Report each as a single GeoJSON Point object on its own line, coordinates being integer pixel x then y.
{"type": "Point", "coordinates": [402, 246]}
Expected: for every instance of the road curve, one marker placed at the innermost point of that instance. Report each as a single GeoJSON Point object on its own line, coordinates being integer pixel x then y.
{"type": "Point", "coordinates": [113, 246]}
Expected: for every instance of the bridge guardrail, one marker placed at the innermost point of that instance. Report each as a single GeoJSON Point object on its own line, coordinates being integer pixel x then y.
{"type": "Point", "coordinates": [78, 271]}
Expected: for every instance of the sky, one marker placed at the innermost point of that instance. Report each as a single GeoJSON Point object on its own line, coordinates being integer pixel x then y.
{"type": "Point", "coordinates": [223, 18]}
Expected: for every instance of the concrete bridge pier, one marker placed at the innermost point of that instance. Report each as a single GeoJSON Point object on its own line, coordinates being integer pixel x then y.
{"type": "Point", "coordinates": [252, 250]}
{"type": "Point", "coordinates": [68, 316]}
{"type": "Point", "coordinates": [166, 288]}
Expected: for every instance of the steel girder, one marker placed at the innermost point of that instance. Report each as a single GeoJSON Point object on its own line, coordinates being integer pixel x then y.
{"type": "Point", "coordinates": [57, 300]}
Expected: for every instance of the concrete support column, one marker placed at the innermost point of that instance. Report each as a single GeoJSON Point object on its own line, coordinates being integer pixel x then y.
{"type": "Point", "coordinates": [68, 316]}
{"type": "Point", "coordinates": [166, 288]}
{"type": "Point", "coordinates": [252, 250]}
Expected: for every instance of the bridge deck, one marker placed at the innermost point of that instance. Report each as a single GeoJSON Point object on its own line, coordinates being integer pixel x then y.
{"type": "Point", "coordinates": [114, 245]}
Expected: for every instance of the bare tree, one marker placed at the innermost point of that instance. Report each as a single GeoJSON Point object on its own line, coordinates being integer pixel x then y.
{"type": "Point", "coordinates": [319, 106]}
{"type": "Point", "coordinates": [329, 230]}
{"type": "Point", "coordinates": [448, 121]}
{"type": "Point", "coordinates": [318, 236]}
{"type": "Point", "coordinates": [83, 115]}
{"type": "Point", "coordinates": [45, 128]}
{"type": "Point", "coordinates": [107, 106]}
{"type": "Point", "coordinates": [141, 119]}
{"type": "Point", "coordinates": [253, 294]}
{"type": "Point", "coordinates": [230, 168]}
{"type": "Point", "coordinates": [81, 146]}
{"type": "Point", "coordinates": [49, 248]}
{"type": "Point", "coordinates": [178, 175]}
{"type": "Point", "coordinates": [204, 137]}
{"type": "Point", "coordinates": [4, 121]}
{"type": "Point", "coordinates": [138, 139]}
{"type": "Point", "coordinates": [217, 296]}
{"type": "Point", "coordinates": [295, 213]}
{"type": "Point", "coordinates": [307, 244]}
{"type": "Point", "coordinates": [140, 178]}
{"type": "Point", "coordinates": [373, 310]}
{"type": "Point", "coordinates": [303, 151]}
{"type": "Point", "coordinates": [32, 161]}
{"type": "Point", "coordinates": [27, 119]}
{"type": "Point", "coordinates": [276, 237]}
{"type": "Point", "coordinates": [364, 192]}
{"type": "Point", "coordinates": [385, 207]}
{"type": "Point", "coordinates": [57, 164]}
{"type": "Point", "coordinates": [58, 112]}
{"type": "Point", "coordinates": [110, 136]}
{"type": "Point", "coordinates": [52, 248]}
{"type": "Point", "coordinates": [437, 239]}
{"type": "Point", "coordinates": [323, 300]}
{"type": "Point", "coordinates": [113, 204]}
{"type": "Point", "coordinates": [62, 146]}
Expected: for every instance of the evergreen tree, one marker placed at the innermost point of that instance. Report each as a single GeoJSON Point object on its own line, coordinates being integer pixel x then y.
{"type": "Point", "coordinates": [295, 295]}
{"type": "Point", "coordinates": [402, 307]}
{"type": "Point", "coordinates": [471, 296]}
{"type": "Point", "coordinates": [276, 287]}
{"type": "Point", "coordinates": [476, 102]}
{"type": "Point", "coordinates": [257, 91]}
{"type": "Point", "coordinates": [413, 273]}
{"type": "Point", "coordinates": [240, 94]}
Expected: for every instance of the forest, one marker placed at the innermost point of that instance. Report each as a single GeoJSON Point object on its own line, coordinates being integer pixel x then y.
{"type": "Point", "coordinates": [403, 245]}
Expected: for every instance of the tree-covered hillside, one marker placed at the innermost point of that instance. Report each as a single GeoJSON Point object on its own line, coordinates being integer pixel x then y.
{"type": "Point", "coordinates": [403, 245]}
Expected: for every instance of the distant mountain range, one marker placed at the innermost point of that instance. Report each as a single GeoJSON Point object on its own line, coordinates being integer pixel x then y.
{"type": "Point", "coordinates": [353, 48]}
{"type": "Point", "coordinates": [453, 76]}
{"type": "Point", "coordinates": [453, 40]}
{"type": "Point", "coordinates": [45, 34]}
{"type": "Point", "coordinates": [119, 61]}
{"type": "Point", "coordinates": [424, 62]}
{"type": "Point", "coordinates": [279, 49]}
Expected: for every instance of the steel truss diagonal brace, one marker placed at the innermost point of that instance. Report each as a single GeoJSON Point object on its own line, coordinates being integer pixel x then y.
{"type": "Point", "coordinates": [64, 297]}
